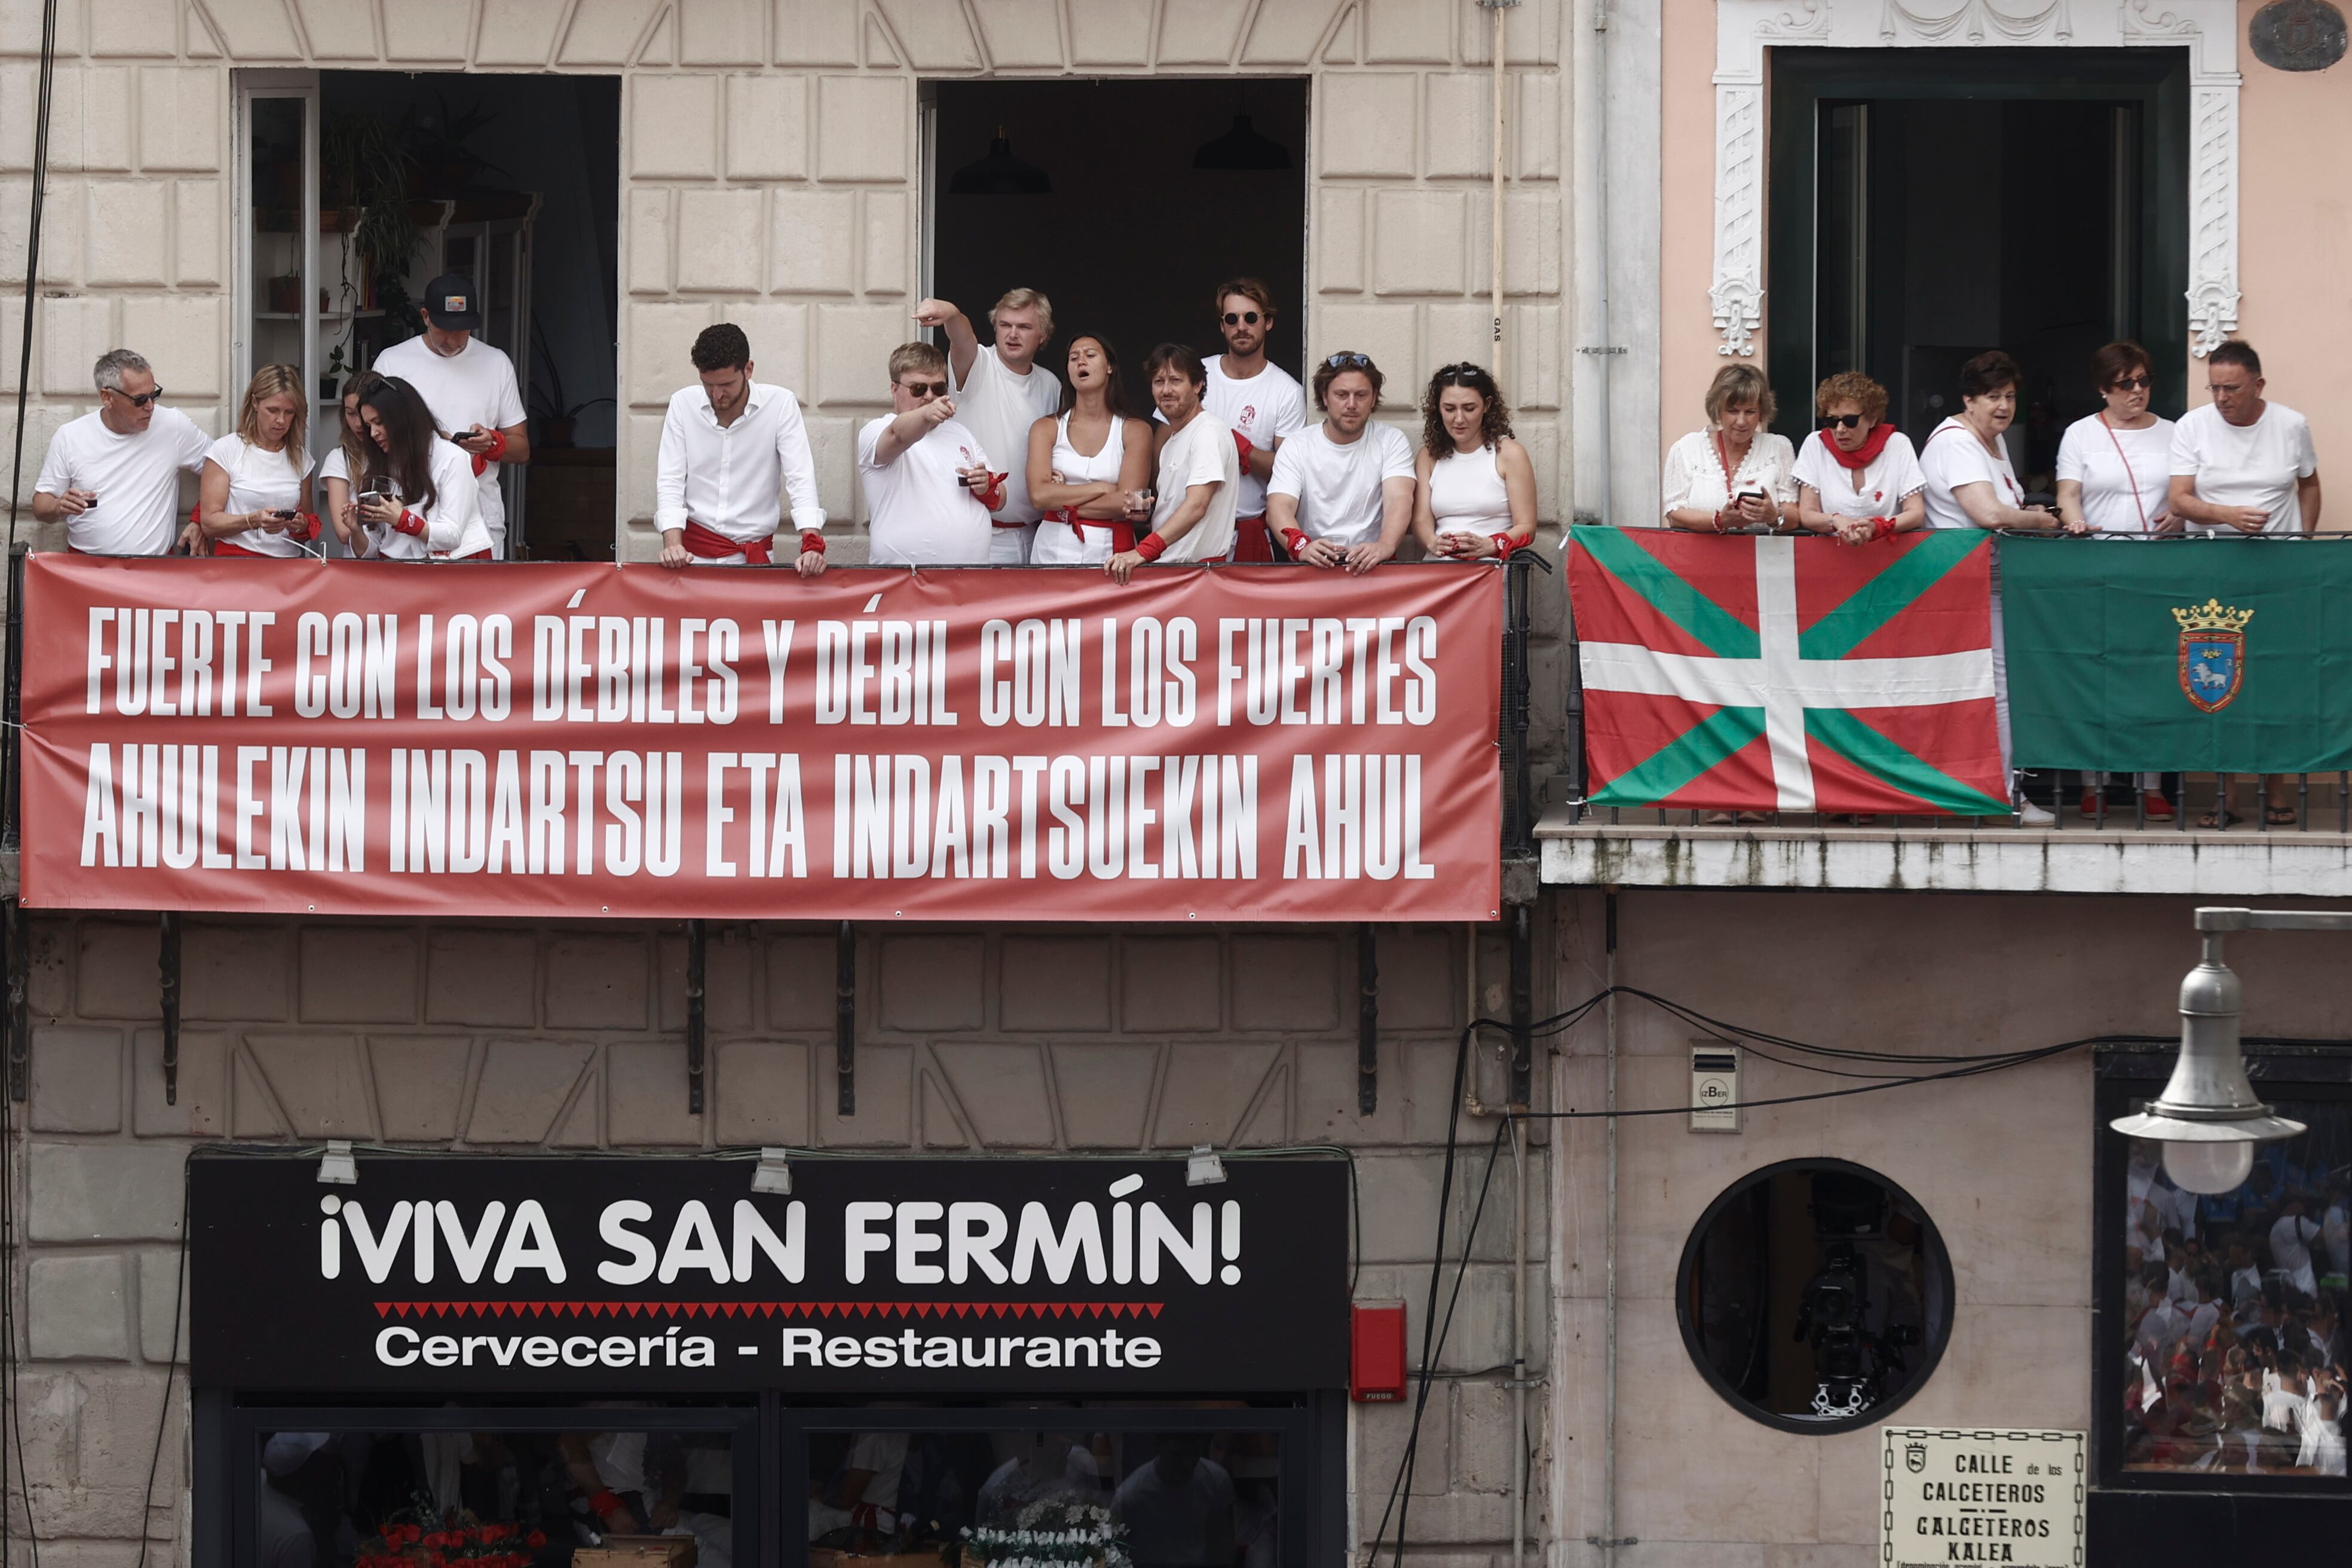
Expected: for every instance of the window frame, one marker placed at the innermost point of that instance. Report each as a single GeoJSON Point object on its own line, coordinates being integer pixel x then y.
{"type": "Point", "coordinates": [2125, 1077]}
{"type": "Point", "coordinates": [1932, 1353]}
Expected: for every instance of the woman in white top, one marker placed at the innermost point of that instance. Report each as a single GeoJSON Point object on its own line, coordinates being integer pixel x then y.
{"type": "Point", "coordinates": [1090, 464]}
{"type": "Point", "coordinates": [254, 489]}
{"type": "Point", "coordinates": [1971, 484]}
{"type": "Point", "coordinates": [1735, 473]}
{"type": "Point", "coordinates": [2115, 473]}
{"type": "Point", "coordinates": [417, 496]}
{"type": "Point", "coordinates": [1858, 478]}
{"type": "Point", "coordinates": [350, 457]}
{"type": "Point", "coordinates": [2115, 468]}
{"type": "Point", "coordinates": [1475, 490]}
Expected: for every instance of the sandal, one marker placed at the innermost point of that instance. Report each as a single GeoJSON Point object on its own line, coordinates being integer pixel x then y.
{"type": "Point", "coordinates": [2215, 818]}
{"type": "Point", "coordinates": [1753, 817]}
{"type": "Point", "coordinates": [1718, 819]}
{"type": "Point", "coordinates": [2280, 817]}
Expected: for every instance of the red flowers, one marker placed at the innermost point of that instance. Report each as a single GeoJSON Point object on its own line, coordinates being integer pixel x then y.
{"type": "Point", "coordinates": [423, 1536]}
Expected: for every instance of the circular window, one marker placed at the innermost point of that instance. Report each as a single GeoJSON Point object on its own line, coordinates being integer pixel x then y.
{"type": "Point", "coordinates": [1815, 1296]}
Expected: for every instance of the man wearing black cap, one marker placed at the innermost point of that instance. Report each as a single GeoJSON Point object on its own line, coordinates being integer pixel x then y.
{"type": "Point", "coordinates": [470, 387]}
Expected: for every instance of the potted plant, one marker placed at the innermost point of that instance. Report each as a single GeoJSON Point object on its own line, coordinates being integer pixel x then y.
{"type": "Point", "coordinates": [365, 172]}
{"type": "Point", "coordinates": [554, 420]}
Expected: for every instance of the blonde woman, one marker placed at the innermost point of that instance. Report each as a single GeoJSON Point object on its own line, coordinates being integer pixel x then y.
{"type": "Point", "coordinates": [255, 492]}
{"type": "Point", "coordinates": [1735, 473]}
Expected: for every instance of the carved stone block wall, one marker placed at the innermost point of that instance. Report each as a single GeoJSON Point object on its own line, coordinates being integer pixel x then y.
{"type": "Point", "coordinates": [515, 1038]}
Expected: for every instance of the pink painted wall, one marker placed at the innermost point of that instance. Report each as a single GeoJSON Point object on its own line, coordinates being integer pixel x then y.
{"type": "Point", "coordinates": [2295, 229]}
{"type": "Point", "coordinates": [1687, 340]}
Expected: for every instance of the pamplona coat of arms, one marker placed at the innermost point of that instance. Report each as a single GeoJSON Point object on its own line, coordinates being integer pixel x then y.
{"type": "Point", "coordinates": [2213, 653]}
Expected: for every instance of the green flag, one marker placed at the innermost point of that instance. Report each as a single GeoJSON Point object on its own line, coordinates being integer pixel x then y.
{"type": "Point", "coordinates": [2204, 654]}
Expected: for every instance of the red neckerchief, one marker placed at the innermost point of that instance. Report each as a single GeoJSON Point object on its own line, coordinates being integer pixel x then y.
{"type": "Point", "coordinates": [1872, 444]}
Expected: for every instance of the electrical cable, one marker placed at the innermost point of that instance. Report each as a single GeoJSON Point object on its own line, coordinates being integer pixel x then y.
{"type": "Point", "coordinates": [32, 283]}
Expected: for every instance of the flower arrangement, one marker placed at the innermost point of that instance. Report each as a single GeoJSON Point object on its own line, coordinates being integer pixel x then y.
{"type": "Point", "coordinates": [422, 1536]}
{"type": "Point", "coordinates": [1052, 1533]}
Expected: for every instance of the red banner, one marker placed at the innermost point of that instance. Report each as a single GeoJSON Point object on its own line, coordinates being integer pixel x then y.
{"type": "Point", "coordinates": [1249, 743]}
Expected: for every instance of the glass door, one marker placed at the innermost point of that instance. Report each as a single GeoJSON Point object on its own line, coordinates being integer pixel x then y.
{"type": "Point", "coordinates": [278, 301]}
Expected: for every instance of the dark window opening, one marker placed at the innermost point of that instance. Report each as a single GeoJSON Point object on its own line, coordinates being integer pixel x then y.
{"type": "Point", "coordinates": [1815, 1296]}
{"type": "Point", "coordinates": [1099, 199]}
{"type": "Point", "coordinates": [1930, 205]}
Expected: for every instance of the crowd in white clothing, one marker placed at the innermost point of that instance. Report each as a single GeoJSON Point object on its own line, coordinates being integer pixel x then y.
{"type": "Point", "coordinates": [986, 457]}
{"type": "Point", "coordinates": [2233, 1306]}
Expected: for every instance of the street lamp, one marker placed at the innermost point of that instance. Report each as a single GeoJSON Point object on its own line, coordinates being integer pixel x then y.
{"type": "Point", "coordinates": [2207, 1118]}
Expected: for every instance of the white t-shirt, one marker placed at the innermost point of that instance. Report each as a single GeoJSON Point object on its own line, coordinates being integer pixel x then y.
{"type": "Point", "coordinates": [2291, 1239]}
{"type": "Point", "coordinates": [2123, 473]}
{"type": "Point", "coordinates": [260, 482]}
{"type": "Point", "coordinates": [136, 479]}
{"type": "Point", "coordinates": [1202, 453]}
{"type": "Point", "coordinates": [1953, 457]}
{"type": "Point", "coordinates": [2247, 465]}
{"type": "Point", "coordinates": [1693, 472]}
{"type": "Point", "coordinates": [917, 512]}
{"type": "Point", "coordinates": [1267, 407]}
{"type": "Point", "coordinates": [453, 529]}
{"type": "Point", "coordinates": [1888, 480]}
{"type": "Point", "coordinates": [1338, 487]}
{"type": "Point", "coordinates": [999, 407]}
{"type": "Point", "coordinates": [476, 386]}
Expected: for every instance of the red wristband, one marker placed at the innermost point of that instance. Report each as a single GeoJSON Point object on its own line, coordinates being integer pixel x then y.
{"type": "Point", "coordinates": [1882, 528]}
{"type": "Point", "coordinates": [994, 495]}
{"type": "Point", "coordinates": [1149, 546]}
{"type": "Point", "coordinates": [409, 522]}
{"type": "Point", "coordinates": [310, 529]}
{"type": "Point", "coordinates": [1295, 541]}
{"type": "Point", "coordinates": [604, 1505]}
{"type": "Point", "coordinates": [1505, 544]}
{"type": "Point", "coordinates": [497, 451]}
{"type": "Point", "coordinates": [811, 540]}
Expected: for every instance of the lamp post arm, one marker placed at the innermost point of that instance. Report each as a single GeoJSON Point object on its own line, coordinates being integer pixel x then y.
{"type": "Point", "coordinates": [2216, 920]}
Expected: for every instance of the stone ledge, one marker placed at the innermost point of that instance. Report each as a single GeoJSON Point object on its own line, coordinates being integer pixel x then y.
{"type": "Point", "coordinates": [2243, 863]}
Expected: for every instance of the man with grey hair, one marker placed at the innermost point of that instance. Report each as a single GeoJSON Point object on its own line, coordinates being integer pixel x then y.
{"type": "Point", "coordinates": [113, 475]}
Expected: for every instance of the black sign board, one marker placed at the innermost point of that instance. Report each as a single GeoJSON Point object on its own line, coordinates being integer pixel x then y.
{"type": "Point", "coordinates": [566, 1275]}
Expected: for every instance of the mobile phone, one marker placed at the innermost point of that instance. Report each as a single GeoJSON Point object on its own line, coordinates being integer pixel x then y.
{"type": "Point", "coordinates": [284, 514]}
{"type": "Point", "coordinates": [1749, 495]}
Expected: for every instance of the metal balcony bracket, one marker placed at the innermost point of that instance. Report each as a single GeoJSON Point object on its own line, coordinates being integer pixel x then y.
{"type": "Point", "coordinates": [1368, 1019]}
{"type": "Point", "coordinates": [167, 962]}
{"type": "Point", "coordinates": [696, 1022]}
{"type": "Point", "coordinates": [845, 1020]}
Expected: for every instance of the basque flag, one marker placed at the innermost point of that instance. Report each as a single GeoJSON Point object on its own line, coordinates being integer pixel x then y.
{"type": "Point", "coordinates": [1746, 673]}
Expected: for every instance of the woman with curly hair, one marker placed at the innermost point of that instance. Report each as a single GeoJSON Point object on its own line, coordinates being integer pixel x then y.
{"type": "Point", "coordinates": [1859, 477]}
{"type": "Point", "coordinates": [1474, 490]}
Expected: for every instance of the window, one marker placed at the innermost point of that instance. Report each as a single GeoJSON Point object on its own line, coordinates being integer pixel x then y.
{"type": "Point", "coordinates": [1815, 1296]}
{"type": "Point", "coordinates": [2221, 1330]}
{"type": "Point", "coordinates": [337, 1487]}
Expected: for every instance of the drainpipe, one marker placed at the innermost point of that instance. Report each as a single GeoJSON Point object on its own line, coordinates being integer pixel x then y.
{"type": "Point", "coordinates": [1494, 9]}
{"type": "Point", "coordinates": [1593, 439]}
{"type": "Point", "coordinates": [1520, 1345]}
{"type": "Point", "coordinates": [1609, 1541]}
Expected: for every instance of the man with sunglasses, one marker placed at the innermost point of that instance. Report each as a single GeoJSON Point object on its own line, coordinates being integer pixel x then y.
{"type": "Point", "coordinates": [1002, 393]}
{"type": "Point", "coordinates": [929, 487]}
{"type": "Point", "coordinates": [1343, 491]}
{"type": "Point", "coordinates": [1263, 403]}
{"type": "Point", "coordinates": [112, 476]}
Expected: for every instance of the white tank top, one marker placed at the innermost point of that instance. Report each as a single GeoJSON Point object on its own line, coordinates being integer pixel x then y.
{"type": "Point", "coordinates": [1057, 544]}
{"type": "Point", "coordinates": [1466, 493]}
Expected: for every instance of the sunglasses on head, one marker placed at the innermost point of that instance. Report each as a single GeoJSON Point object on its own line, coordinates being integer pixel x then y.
{"type": "Point", "coordinates": [141, 400]}
{"type": "Point", "coordinates": [1238, 317]}
{"type": "Point", "coordinates": [926, 388]}
{"type": "Point", "coordinates": [1345, 361]}
{"type": "Point", "coordinates": [1461, 372]}
{"type": "Point", "coordinates": [1842, 421]}
{"type": "Point", "coordinates": [2134, 383]}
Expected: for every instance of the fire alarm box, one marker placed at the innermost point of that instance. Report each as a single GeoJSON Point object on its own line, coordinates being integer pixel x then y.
{"type": "Point", "coordinates": [1376, 1352]}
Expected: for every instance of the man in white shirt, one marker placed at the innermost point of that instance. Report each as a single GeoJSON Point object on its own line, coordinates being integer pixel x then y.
{"type": "Point", "coordinates": [1198, 471]}
{"type": "Point", "coordinates": [112, 476]}
{"type": "Point", "coordinates": [1342, 494]}
{"type": "Point", "coordinates": [470, 387]}
{"type": "Point", "coordinates": [999, 393]}
{"type": "Point", "coordinates": [730, 448]}
{"type": "Point", "coordinates": [2240, 461]}
{"type": "Point", "coordinates": [1263, 403]}
{"type": "Point", "coordinates": [929, 484]}
{"type": "Point", "coordinates": [2291, 1237]}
